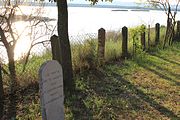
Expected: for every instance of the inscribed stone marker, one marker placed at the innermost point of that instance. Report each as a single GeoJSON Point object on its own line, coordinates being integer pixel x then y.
{"type": "Point", "coordinates": [51, 91]}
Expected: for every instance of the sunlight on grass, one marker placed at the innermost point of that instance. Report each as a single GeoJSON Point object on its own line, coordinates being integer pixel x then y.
{"type": "Point", "coordinates": [133, 89]}
{"type": "Point", "coordinates": [144, 87]}
{"type": "Point", "coordinates": [113, 50]}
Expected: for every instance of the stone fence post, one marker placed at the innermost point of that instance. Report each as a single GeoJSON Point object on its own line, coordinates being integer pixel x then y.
{"type": "Point", "coordinates": [143, 40]}
{"type": "Point", "coordinates": [157, 33]}
{"type": "Point", "coordinates": [55, 46]}
{"type": "Point", "coordinates": [101, 45]}
{"type": "Point", "coordinates": [149, 37]}
{"type": "Point", "coordinates": [124, 42]}
{"type": "Point", "coordinates": [178, 31]}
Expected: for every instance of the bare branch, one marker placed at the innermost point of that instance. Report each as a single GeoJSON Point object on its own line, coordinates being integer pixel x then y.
{"type": "Point", "coordinates": [3, 38]}
{"type": "Point", "coordinates": [53, 30]}
{"type": "Point", "coordinates": [41, 42]}
{"type": "Point", "coordinates": [177, 7]}
{"type": "Point", "coordinates": [160, 4]}
{"type": "Point", "coordinates": [29, 51]}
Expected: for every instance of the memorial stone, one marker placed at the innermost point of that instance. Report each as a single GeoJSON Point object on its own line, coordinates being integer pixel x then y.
{"type": "Point", "coordinates": [51, 91]}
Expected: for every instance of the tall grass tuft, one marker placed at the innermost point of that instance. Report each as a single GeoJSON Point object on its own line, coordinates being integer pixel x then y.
{"type": "Point", "coordinates": [84, 54]}
{"type": "Point", "coordinates": [32, 68]}
{"type": "Point", "coordinates": [113, 45]}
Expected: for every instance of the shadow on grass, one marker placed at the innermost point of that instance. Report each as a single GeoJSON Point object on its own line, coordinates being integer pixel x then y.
{"type": "Point", "coordinates": [120, 99]}
{"type": "Point", "coordinates": [146, 66]}
{"type": "Point", "coordinates": [141, 95]}
{"type": "Point", "coordinates": [29, 90]}
{"type": "Point", "coordinates": [175, 49]}
{"type": "Point", "coordinates": [12, 107]}
{"type": "Point", "coordinates": [76, 107]}
{"type": "Point", "coordinates": [165, 70]}
{"type": "Point", "coordinates": [24, 95]}
{"type": "Point", "coordinates": [165, 59]}
{"type": "Point", "coordinates": [152, 66]}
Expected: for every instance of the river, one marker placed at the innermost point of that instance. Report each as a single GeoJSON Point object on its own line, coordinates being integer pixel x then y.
{"type": "Point", "coordinates": [86, 20]}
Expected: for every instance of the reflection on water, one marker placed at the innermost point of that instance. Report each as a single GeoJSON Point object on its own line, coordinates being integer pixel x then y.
{"type": "Point", "coordinates": [23, 42]}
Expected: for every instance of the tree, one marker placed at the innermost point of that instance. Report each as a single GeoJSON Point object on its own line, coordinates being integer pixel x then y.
{"type": "Point", "coordinates": [1, 95]}
{"type": "Point", "coordinates": [9, 37]}
{"type": "Point", "coordinates": [6, 27]}
{"type": "Point", "coordinates": [66, 60]}
{"type": "Point", "coordinates": [168, 7]}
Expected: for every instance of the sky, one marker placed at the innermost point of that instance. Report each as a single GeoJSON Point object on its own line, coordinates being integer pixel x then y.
{"type": "Point", "coordinates": [125, 0]}
{"type": "Point", "coordinates": [113, 0]}
{"type": "Point", "coordinates": [86, 1]}
{"type": "Point", "coordinates": [117, 2]}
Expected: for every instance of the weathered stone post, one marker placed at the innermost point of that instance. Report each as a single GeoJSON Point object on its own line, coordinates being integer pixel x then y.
{"type": "Point", "coordinates": [55, 46]}
{"type": "Point", "coordinates": [101, 45]}
{"type": "Point", "coordinates": [178, 31]}
{"type": "Point", "coordinates": [143, 40]}
{"type": "Point", "coordinates": [157, 33]}
{"type": "Point", "coordinates": [124, 42]}
{"type": "Point", "coordinates": [1, 95]}
{"type": "Point", "coordinates": [149, 37]}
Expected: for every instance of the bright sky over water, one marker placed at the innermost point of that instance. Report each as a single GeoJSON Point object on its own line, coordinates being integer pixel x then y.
{"type": "Point", "coordinates": [82, 1]}
{"type": "Point", "coordinates": [125, 0]}
{"type": "Point", "coordinates": [117, 2]}
{"type": "Point", "coordinates": [114, 2]}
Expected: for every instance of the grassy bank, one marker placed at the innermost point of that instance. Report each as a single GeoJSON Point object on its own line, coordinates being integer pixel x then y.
{"type": "Point", "coordinates": [84, 52]}
{"type": "Point", "coordinates": [146, 87]}
{"type": "Point", "coordinates": [143, 87]}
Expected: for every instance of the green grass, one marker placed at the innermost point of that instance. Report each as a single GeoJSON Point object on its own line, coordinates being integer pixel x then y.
{"type": "Point", "coordinates": [146, 87]}
{"type": "Point", "coordinates": [113, 50]}
{"type": "Point", "coordinates": [84, 55]}
{"type": "Point", "coordinates": [32, 68]}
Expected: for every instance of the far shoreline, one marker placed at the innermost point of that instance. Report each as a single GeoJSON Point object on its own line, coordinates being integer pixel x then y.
{"type": "Point", "coordinates": [121, 7]}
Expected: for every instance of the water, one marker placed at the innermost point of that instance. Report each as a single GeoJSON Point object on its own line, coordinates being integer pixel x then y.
{"type": "Point", "coordinates": [89, 20]}
{"type": "Point", "coordinates": [83, 20]}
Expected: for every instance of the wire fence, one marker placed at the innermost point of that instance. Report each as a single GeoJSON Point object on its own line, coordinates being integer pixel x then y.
{"type": "Point", "coordinates": [84, 51]}
{"type": "Point", "coordinates": [27, 70]}
{"type": "Point", "coordinates": [82, 37]}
